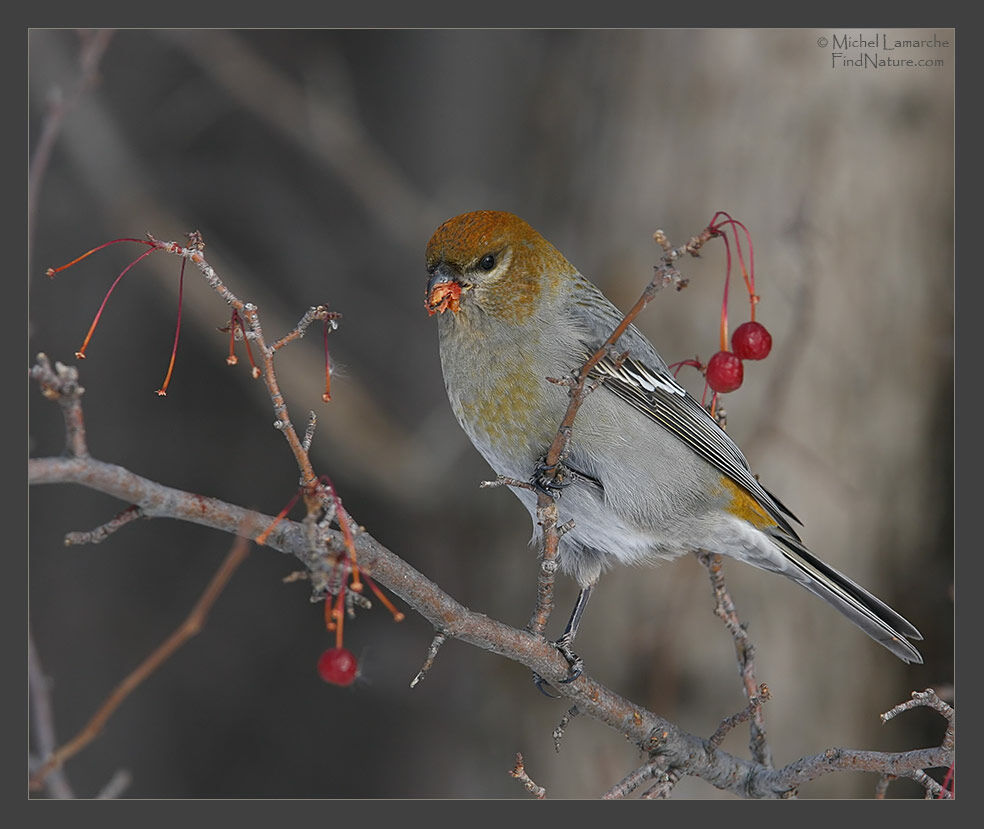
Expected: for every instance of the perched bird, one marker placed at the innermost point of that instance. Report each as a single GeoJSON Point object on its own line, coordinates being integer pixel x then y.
{"type": "Point", "coordinates": [649, 474]}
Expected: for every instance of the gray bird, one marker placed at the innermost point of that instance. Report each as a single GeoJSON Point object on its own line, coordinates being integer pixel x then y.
{"type": "Point", "coordinates": [649, 474]}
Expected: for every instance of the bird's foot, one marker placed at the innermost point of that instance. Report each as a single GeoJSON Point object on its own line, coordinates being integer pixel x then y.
{"type": "Point", "coordinates": [551, 479]}
{"type": "Point", "coordinates": [575, 666]}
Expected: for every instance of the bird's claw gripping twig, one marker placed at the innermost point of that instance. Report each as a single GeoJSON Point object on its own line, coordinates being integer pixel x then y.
{"type": "Point", "coordinates": [542, 685]}
{"type": "Point", "coordinates": [551, 479]}
{"type": "Point", "coordinates": [574, 662]}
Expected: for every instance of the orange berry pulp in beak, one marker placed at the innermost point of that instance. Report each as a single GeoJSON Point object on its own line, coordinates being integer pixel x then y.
{"type": "Point", "coordinates": [444, 295]}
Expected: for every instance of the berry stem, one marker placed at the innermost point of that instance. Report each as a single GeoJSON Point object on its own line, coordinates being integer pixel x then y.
{"type": "Point", "coordinates": [263, 536]}
{"type": "Point", "coordinates": [339, 614]}
{"type": "Point", "coordinates": [397, 615]}
{"type": "Point", "coordinates": [749, 273]}
{"type": "Point", "coordinates": [249, 351]}
{"type": "Point", "coordinates": [724, 300]}
{"type": "Point", "coordinates": [80, 354]}
{"type": "Point", "coordinates": [232, 359]}
{"type": "Point", "coordinates": [162, 391]}
{"type": "Point", "coordinates": [675, 367]}
{"type": "Point", "coordinates": [52, 271]}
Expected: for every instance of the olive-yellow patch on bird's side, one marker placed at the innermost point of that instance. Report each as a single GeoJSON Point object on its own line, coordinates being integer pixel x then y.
{"type": "Point", "coordinates": [504, 409]}
{"type": "Point", "coordinates": [745, 506]}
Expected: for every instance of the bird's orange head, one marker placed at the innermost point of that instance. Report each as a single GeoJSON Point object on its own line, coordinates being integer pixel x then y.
{"type": "Point", "coordinates": [496, 260]}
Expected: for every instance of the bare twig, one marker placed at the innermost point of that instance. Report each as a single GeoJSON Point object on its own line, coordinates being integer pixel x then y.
{"type": "Point", "coordinates": [546, 517]}
{"type": "Point", "coordinates": [724, 609]}
{"type": "Point", "coordinates": [94, 44]}
{"type": "Point", "coordinates": [43, 719]}
{"type": "Point", "coordinates": [334, 136]}
{"type": "Point", "coordinates": [632, 781]}
{"type": "Point", "coordinates": [664, 786]}
{"type": "Point", "coordinates": [61, 383]}
{"type": "Point", "coordinates": [117, 784]}
{"type": "Point", "coordinates": [189, 628]}
{"type": "Point", "coordinates": [438, 640]}
{"type": "Point", "coordinates": [502, 480]}
{"type": "Point", "coordinates": [881, 787]}
{"type": "Point", "coordinates": [933, 789]}
{"type": "Point", "coordinates": [561, 727]}
{"type": "Point", "coordinates": [194, 253]}
{"type": "Point", "coordinates": [315, 312]}
{"type": "Point", "coordinates": [519, 772]}
{"type": "Point", "coordinates": [929, 699]}
{"type": "Point", "coordinates": [749, 711]}
{"type": "Point", "coordinates": [103, 531]}
{"type": "Point", "coordinates": [309, 431]}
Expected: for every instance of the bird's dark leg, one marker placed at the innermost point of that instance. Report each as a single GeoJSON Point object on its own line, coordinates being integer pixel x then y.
{"type": "Point", "coordinates": [566, 642]}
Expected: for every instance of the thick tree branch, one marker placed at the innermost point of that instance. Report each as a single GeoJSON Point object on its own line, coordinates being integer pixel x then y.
{"type": "Point", "coordinates": [692, 755]}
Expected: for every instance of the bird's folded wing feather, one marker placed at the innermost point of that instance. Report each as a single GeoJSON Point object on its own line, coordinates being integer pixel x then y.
{"type": "Point", "coordinates": [655, 393]}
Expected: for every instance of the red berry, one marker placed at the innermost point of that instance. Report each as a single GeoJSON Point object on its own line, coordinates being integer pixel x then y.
{"type": "Point", "coordinates": [724, 372]}
{"type": "Point", "coordinates": [751, 341]}
{"type": "Point", "coordinates": [338, 666]}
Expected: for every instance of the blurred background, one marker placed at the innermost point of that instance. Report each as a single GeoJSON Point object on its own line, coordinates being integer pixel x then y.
{"type": "Point", "coordinates": [317, 164]}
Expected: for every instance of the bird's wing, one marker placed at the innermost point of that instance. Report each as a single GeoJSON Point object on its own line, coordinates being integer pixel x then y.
{"type": "Point", "coordinates": [654, 392]}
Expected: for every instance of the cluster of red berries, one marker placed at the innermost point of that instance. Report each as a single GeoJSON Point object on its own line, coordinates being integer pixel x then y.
{"type": "Point", "coordinates": [750, 341]}
{"type": "Point", "coordinates": [724, 372]}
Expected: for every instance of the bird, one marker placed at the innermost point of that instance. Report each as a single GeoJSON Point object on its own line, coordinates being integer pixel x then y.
{"type": "Point", "coordinates": [648, 473]}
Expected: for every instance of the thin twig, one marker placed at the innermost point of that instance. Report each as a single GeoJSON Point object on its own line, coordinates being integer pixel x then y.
{"type": "Point", "coordinates": [933, 789]}
{"type": "Point", "coordinates": [749, 711]}
{"type": "Point", "coordinates": [724, 609]}
{"type": "Point", "coordinates": [881, 787]}
{"type": "Point", "coordinates": [194, 253]}
{"type": "Point", "coordinates": [438, 640]}
{"type": "Point", "coordinates": [61, 383]}
{"type": "Point", "coordinates": [189, 628]}
{"type": "Point", "coordinates": [546, 516]}
{"type": "Point", "coordinates": [315, 312]}
{"type": "Point", "coordinates": [561, 727]}
{"type": "Point", "coordinates": [519, 772]}
{"type": "Point", "coordinates": [103, 531]}
{"type": "Point", "coordinates": [43, 719]}
{"type": "Point", "coordinates": [928, 699]}
{"type": "Point", "coordinates": [633, 780]}
{"type": "Point", "coordinates": [117, 784]}
{"type": "Point", "coordinates": [94, 46]}
{"type": "Point", "coordinates": [664, 786]}
{"type": "Point", "coordinates": [309, 431]}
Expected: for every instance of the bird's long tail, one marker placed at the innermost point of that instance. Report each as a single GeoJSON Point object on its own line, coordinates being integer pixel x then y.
{"type": "Point", "coordinates": [870, 614]}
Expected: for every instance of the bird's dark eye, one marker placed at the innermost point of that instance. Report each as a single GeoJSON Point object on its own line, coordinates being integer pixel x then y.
{"type": "Point", "coordinates": [487, 262]}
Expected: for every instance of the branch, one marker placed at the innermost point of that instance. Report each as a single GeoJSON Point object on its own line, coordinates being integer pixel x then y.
{"type": "Point", "coordinates": [724, 609]}
{"type": "Point", "coordinates": [94, 45]}
{"type": "Point", "coordinates": [191, 626]}
{"type": "Point", "coordinates": [689, 754]}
